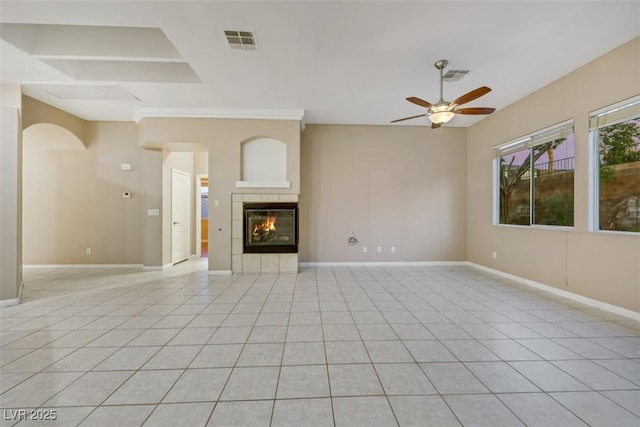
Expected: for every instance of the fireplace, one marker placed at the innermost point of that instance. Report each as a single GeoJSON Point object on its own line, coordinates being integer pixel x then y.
{"type": "Point", "coordinates": [270, 228]}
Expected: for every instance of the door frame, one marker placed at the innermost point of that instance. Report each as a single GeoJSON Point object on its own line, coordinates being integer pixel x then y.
{"type": "Point", "coordinates": [199, 213]}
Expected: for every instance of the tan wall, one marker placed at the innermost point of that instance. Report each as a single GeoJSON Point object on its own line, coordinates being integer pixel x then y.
{"type": "Point", "coordinates": [73, 199]}
{"type": "Point", "coordinates": [224, 138]}
{"type": "Point", "coordinates": [201, 162]}
{"type": "Point", "coordinates": [602, 266]}
{"type": "Point", "coordinates": [390, 185]}
{"type": "Point", "coordinates": [152, 199]}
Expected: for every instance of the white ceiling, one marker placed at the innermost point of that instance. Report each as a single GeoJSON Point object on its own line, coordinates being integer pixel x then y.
{"type": "Point", "coordinates": [351, 62]}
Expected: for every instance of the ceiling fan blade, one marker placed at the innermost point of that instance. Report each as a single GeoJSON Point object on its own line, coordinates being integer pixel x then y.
{"type": "Point", "coordinates": [470, 96]}
{"type": "Point", "coordinates": [435, 125]}
{"type": "Point", "coordinates": [420, 102]}
{"type": "Point", "coordinates": [476, 110]}
{"type": "Point", "coordinates": [407, 118]}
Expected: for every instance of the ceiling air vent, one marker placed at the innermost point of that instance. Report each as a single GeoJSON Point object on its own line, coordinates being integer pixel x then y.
{"type": "Point", "coordinates": [243, 40]}
{"type": "Point", "coordinates": [454, 75]}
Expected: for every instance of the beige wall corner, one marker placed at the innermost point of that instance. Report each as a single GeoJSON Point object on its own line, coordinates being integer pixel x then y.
{"type": "Point", "coordinates": [10, 201]}
{"type": "Point", "coordinates": [74, 205]}
{"type": "Point", "coordinates": [598, 265]}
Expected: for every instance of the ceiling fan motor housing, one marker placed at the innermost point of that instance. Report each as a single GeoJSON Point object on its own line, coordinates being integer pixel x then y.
{"type": "Point", "coordinates": [441, 64]}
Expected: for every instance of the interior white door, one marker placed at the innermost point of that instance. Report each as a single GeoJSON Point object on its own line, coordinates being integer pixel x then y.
{"type": "Point", "coordinates": [180, 215]}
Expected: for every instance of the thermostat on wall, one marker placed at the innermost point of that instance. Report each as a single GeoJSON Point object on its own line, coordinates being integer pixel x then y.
{"type": "Point", "coordinates": [125, 166]}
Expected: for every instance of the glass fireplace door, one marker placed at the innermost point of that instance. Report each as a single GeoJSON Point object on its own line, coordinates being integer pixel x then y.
{"type": "Point", "coordinates": [270, 228]}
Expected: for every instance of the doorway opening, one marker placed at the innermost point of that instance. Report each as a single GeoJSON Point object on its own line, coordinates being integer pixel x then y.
{"type": "Point", "coordinates": [202, 216]}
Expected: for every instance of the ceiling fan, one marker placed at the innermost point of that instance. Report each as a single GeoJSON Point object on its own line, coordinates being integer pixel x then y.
{"type": "Point", "coordinates": [443, 111]}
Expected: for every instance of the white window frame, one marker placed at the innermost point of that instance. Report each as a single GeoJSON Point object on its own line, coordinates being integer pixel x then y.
{"type": "Point", "coordinates": [606, 116]}
{"type": "Point", "coordinates": [528, 141]}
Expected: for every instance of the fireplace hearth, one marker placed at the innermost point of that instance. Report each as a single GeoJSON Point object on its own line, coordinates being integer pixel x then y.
{"type": "Point", "coordinates": [270, 227]}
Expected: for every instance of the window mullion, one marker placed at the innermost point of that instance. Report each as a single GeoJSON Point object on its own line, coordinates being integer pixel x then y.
{"type": "Point", "coordinates": [531, 187]}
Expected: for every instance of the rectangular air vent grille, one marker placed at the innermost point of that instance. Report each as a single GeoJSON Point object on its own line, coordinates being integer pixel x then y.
{"type": "Point", "coordinates": [244, 40]}
{"type": "Point", "coordinates": [454, 75]}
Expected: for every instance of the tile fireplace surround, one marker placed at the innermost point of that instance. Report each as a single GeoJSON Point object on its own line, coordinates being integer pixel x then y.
{"type": "Point", "coordinates": [242, 263]}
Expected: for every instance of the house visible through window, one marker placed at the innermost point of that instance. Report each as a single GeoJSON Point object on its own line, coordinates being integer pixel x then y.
{"type": "Point", "coordinates": [535, 176]}
{"type": "Point", "coordinates": [615, 134]}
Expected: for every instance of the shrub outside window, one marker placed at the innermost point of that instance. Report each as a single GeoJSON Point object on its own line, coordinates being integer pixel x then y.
{"type": "Point", "coordinates": [615, 133]}
{"type": "Point", "coordinates": [535, 176]}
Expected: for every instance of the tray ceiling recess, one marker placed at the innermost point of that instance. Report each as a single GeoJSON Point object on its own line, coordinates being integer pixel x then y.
{"type": "Point", "coordinates": [79, 92]}
{"type": "Point", "coordinates": [100, 53]}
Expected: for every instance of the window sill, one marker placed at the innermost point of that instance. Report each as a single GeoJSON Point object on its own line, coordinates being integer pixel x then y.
{"type": "Point", "coordinates": [537, 227]}
{"type": "Point", "coordinates": [617, 233]}
{"type": "Point", "coordinates": [553, 227]}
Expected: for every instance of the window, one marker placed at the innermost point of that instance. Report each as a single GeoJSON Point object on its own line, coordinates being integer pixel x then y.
{"type": "Point", "coordinates": [534, 178]}
{"type": "Point", "coordinates": [615, 136]}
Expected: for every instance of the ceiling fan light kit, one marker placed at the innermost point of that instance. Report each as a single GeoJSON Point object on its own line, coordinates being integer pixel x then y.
{"type": "Point", "coordinates": [441, 114]}
{"type": "Point", "coordinates": [443, 111]}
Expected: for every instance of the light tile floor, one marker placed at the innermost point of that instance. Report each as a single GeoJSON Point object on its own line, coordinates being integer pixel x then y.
{"type": "Point", "coordinates": [412, 346]}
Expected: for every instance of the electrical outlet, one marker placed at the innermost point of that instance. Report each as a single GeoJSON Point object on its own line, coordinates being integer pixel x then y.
{"type": "Point", "coordinates": [364, 249]}
{"type": "Point", "coordinates": [494, 255]}
{"type": "Point", "coordinates": [88, 251]}
{"type": "Point", "coordinates": [393, 249]}
{"type": "Point", "coordinates": [379, 249]}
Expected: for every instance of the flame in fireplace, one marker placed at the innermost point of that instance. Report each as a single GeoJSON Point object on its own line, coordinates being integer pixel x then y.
{"type": "Point", "coordinates": [267, 226]}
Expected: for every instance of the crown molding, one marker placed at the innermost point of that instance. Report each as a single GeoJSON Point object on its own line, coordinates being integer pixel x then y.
{"type": "Point", "coordinates": [213, 113]}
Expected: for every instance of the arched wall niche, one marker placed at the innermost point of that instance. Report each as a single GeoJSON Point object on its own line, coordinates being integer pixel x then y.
{"type": "Point", "coordinates": [263, 163]}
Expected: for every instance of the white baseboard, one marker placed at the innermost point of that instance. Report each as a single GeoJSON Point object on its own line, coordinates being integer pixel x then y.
{"type": "Point", "coordinates": [220, 272]}
{"type": "Point", "coordinates": [573, 296]}
{"type": "Point", "coordinates": [9, 302]}
{"type": "Point", "coordinates": [156, 267]}
{"type": "Point", "coordinates": [76, 266]}
{"type": "Point", "coordinates": [383, 264]}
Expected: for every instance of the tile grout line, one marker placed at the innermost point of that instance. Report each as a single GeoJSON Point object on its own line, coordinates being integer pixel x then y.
{"type": "Point", "coordinates": [446, 286]}
{"type": "Point", "coordinates": [139, 370]}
